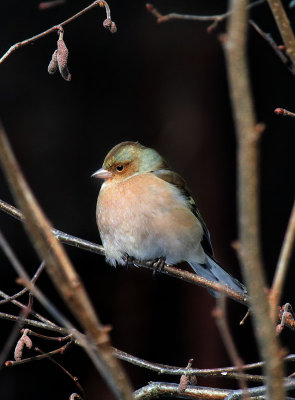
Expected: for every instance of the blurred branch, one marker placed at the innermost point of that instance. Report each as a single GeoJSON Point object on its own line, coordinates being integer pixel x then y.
{"type": "Point", "coordinates": [44, 5]}
{"type": "Point", "coordinates": [284, 27]}
{"type": "Point", "coordinates": [282, 266]}
{"type": "Point", "coordinates": [284, 112]}
{"type": "Point", "coordinates": [64, 275]}
{"type": "Point", "coordinates": [215, 18]}
{"type": "Point", "coordinates": [56, 28]}
{"type": "Point", "coordinates": [248, 134]}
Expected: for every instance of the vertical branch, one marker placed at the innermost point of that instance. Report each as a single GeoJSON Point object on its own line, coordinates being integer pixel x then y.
{"type": "Point", "coordinates": [248, 183]}
{"type": "Point", "coordinates": [282, 265]}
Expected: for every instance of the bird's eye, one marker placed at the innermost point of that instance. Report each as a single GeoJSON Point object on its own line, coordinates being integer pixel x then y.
{"type": "Point", "coordinates": [120, 168]}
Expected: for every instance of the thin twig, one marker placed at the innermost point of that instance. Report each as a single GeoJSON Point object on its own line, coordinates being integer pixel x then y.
{"type": "Point", "coordinates": [73, 378]}
{"type": "Point", "coordinates": [220, 315]}
{"type": "Point", "coordinates": [14, 334]}
{"type": "Point", "coordinates": [32, 312]}
{"type": "Point", "coordinates": [60, 350]}
{"type": "Point", "coordinates": [267, 37]}
{"type": "Point", "coordinates": [55, 28]}
{"type": "Point", "coordinates": [54, 338]}
{"type": "Point", "coordinates": [37, 324]}
{"type": "Point", "coordinates": [248, 194]}
{"type": "Point", "coordinates": [284, 112]}
{"type": "Point", "coordinates": [282, 265]}
{"type": "Point", "coordinates": [188, 17]}
{"type": "Point", "coordinates": [161, 369]}
{"type": "Point", "coordinates": [23, 291]}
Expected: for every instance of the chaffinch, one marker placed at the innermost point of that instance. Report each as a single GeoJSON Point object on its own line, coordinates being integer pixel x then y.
{"type": "Point", "coordinates": [145, 211]}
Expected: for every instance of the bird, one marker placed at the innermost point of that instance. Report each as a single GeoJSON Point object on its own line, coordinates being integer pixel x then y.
{"type": "Point", "coordinates": [145, 211]}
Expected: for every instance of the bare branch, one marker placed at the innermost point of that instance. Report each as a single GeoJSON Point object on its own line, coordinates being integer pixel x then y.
{"type": "Point", "coordinates": [161, 369]}
{"type": "Point", "coordinates": [37, 324]}
{"type": "Point", "coordinates": [73, 378]}
{"type": "Point", "coordinates": [248, 207]}
{"type": "Point", "coordinates": [25, 290]}
{"type": "Point", "coordinates": [215, 18]}
{"type": "Point", "coordinates": [158, 389]}
{"type": "Point", "coordinates": [60, 350]}
{"type": "Point", "coordinates": [16, 46]}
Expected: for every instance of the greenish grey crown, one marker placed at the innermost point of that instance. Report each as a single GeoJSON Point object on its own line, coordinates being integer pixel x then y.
{"type": "Point", "coordinates": [148, 159]}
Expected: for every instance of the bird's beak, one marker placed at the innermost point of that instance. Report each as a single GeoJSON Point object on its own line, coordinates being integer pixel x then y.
{"type": "Point", "coordinates": [102, 174]}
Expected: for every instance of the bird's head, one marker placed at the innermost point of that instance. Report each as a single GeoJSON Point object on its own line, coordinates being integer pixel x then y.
{"type": "Point", "coordinates": [127, 159]}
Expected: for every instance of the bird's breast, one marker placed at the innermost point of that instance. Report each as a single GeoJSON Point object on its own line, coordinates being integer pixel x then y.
{"type": "Point", "coordinates": [146, 218]}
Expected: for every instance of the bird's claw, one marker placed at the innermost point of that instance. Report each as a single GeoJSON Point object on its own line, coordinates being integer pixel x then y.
{"type": "Point", "coordinates": [158, 265]}
{"type": "Point", "coordinates": [129, 261]}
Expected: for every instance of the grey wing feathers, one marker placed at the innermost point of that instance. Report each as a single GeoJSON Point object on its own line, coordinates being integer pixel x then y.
{"type": "Point", "coordinates": [176, 180]}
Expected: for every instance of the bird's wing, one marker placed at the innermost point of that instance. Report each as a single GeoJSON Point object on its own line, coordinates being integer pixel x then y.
{"type": "Point", "coordinates": [175, 179]}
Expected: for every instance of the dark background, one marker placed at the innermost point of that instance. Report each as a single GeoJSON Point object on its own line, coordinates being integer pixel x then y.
{"type": "Point", "coordinates": [164, 85]}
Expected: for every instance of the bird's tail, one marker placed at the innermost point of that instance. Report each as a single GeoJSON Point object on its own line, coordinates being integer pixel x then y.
{"type": "Point", "coordinates": [213, 272]}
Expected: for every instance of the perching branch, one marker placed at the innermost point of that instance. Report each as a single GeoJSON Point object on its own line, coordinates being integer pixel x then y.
{"type": "Point", "coordinates": [248, 194]}
{"type": "Point", "coordinates": [168, 269]}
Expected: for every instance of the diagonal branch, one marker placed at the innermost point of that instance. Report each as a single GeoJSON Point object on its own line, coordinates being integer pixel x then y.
{"type": "Point", "coordinates": [284, 27]}
{"type": "Point", "coordinates": [62, 273]}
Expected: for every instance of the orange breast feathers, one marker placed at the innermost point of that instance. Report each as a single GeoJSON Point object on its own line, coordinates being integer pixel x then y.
{"type": "Point", "coordinates": [145, 210]}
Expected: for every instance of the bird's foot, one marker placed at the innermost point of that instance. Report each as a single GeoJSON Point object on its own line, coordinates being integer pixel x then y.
{"type": "Point", "coordinates": [129, 261]}
{"type": "Point", "coordinates": [158, 265]}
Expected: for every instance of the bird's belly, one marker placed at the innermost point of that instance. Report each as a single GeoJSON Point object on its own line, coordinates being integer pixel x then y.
{"type": "Point", "coordinates": [146, 225]}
